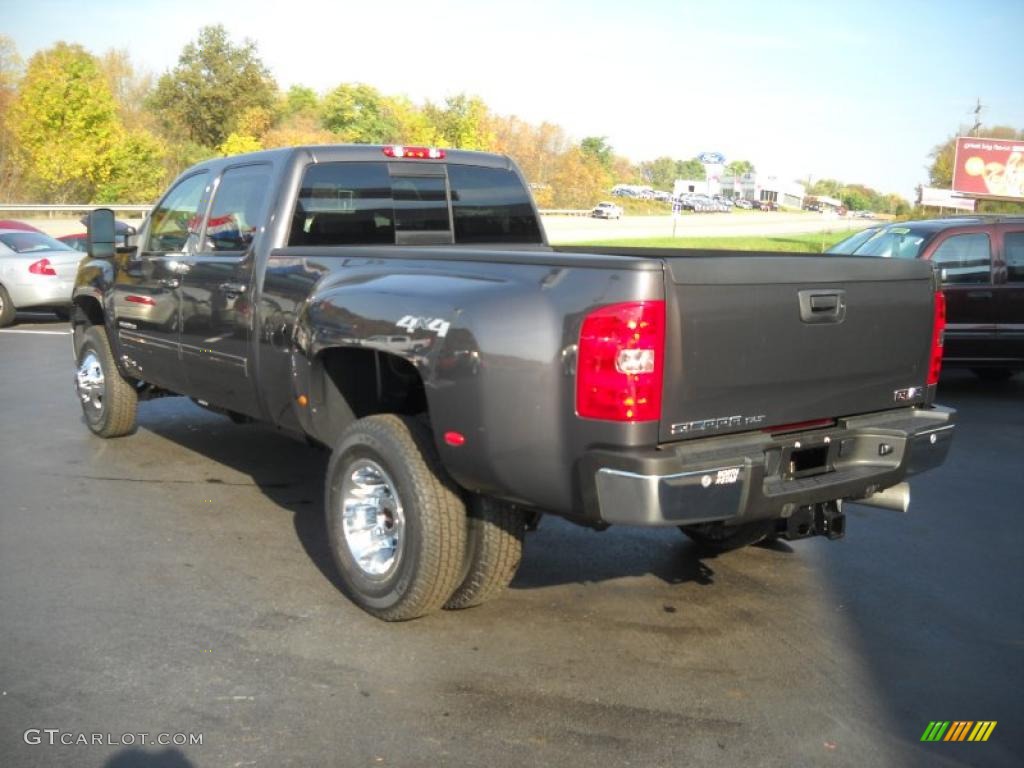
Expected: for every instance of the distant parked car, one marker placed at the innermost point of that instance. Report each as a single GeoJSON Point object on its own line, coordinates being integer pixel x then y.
{"type": "Point", "coordinates": [607, 211]}
{"type": "Point", "coordinates": [124, 230]}
{"type": "Point", "coordinates": [743, 203]}
{"type": "Point", "coordinates": [21, 226]}
{"type": "Point", "coordinates": [36, 272]}
{"type": "Point", "coordinates": [766, 205]}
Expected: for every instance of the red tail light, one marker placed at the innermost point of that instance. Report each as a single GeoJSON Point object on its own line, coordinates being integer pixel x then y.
{"type": "Point", "coordinates": [619, 362]}
{"type": "Point", "coordinates": [938, 332]}
{"type": "Point", "coordinates": [42, 267]}
{"type": "Point", "coordinates": [414, 153]}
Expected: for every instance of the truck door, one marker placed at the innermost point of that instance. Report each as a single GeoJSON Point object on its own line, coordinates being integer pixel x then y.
{"type": "Point", "coordinates": [965, 261]}
{"type": "Point", "coordinates": [147, 292]}
{"type": "Point", "coordinates": [1010, 304]}
{"type": "Point", "coordinates": [216, 302]}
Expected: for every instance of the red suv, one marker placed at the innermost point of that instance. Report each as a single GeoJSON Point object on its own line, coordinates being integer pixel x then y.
{"type": "Point", "coordinates": [981, 264]}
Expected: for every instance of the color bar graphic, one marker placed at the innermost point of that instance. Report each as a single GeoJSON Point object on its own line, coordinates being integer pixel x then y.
{"type": "Point", "coordinates": [958, 730]}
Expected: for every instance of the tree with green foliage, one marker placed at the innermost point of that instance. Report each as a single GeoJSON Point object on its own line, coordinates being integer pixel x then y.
{"type": "Point", "coordinates": [690, 169]}
{"type": "Point", "coordinates": [300, 100]}
{"type": "Point", "coordinates": [202, 98]}
{"type": "Point", "coordinates": [825, 188]}
{"type": "Point", "coordinates": [11, 67]}
{"type": "Point", "coordinates": [359, 114]}
{"type": "Point", "coordinates": [133, 171]}
{"type": "Point", "coordinates": [597, 147]}
{"type": "Point", "coordinates": [739, 168]}
{"type": "Point", "coordinates": [662, 172]}
{"type": "Point", "coordinates": [70, 140]}
{"type": "Point", "coordinates": [462, 123]}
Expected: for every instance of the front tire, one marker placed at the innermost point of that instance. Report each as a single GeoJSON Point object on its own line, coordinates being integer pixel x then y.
{"type": "Point", "coordinates": [109, 401]}
{"type": "Point", "coordinates": [396, 524]}
{"type": "Point", "coordinates": [494, 549]}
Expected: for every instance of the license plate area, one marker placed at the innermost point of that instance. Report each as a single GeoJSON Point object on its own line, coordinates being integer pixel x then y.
{"type": "Point", "coordinates": [807, 461]}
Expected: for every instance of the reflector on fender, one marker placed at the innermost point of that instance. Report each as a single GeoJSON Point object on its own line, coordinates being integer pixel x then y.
{"type": "Point", "coordinates": [938, 334]}
{"type": "Point", "coordinates": [619, 362]}
{"type": "Point", "coordinates": [414, 153]}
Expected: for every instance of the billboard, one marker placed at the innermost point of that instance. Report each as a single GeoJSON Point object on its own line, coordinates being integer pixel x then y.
{"type": "Point", "coordinates": [944, 198]}
{"type": "Point", "coordinates": [989, 167]}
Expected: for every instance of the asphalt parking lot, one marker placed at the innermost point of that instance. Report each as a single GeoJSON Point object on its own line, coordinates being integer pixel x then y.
{"type": "Point", "coordinates": [176, 581]}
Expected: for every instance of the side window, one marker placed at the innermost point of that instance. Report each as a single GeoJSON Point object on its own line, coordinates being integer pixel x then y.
{"type": "Point", "coordinates": [1014, 244]}
{"type": "Point", "coordinates": [177, 216]}
{"type": "Point", "coordinates": [964, 258]}
{"type": "Point", "coordinates": [238, 208]}
{"type": "Point", "coordinates": [491, 205]}
{"type": "Point", "coordinates": [344, 204]}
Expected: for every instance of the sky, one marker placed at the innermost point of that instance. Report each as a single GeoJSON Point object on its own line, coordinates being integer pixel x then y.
{"type": "Point", "coordinates": [860, 92]}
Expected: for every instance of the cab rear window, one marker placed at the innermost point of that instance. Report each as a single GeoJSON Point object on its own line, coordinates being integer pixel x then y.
{"type": "Point", "coordinates": [491, 205]}
{"type": "Point", "coordinates": [349, 203]}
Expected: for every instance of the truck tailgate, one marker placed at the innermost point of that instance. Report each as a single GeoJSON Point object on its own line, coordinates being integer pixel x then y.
{"type": "Point", "coordinates": [759, 341]}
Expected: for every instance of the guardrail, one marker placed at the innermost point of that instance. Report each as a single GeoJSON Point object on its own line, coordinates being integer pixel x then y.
{"type": "Point", "coordinates": [52, 208]}
{"type": "Point", "coordinates": [142, 208]}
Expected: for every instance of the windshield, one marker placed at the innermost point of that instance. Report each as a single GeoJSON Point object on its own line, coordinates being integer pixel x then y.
{"type": "Point", "coordinates": [893, 243]}
{"type": "Point", "coordinates": [853, 242]}
{"type": "Point", "coordinates": [30, 242]}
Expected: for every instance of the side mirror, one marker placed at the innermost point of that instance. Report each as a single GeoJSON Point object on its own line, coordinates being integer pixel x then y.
{"type": "Point", "coordinates": [101, 233]}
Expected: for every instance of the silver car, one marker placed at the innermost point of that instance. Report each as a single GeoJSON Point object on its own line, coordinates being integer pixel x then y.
{"type": "Point", "coordinates": [36, 272]}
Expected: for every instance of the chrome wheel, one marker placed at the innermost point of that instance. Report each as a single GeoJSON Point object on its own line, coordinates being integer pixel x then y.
{"type": "Point", "coordinates": [91, 384]}
{"type": "Point", "coordinates": [372, 518]}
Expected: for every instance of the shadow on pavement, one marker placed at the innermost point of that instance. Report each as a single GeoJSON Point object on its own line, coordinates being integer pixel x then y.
{"type": "Point", "coordinates": [140, 758]}
{"type": "Point", "coordinates": [291, 474]}
{"type": "Point", "coordinates": [931, 599]}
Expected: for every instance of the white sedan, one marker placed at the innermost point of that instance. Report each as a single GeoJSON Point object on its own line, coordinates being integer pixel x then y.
{"type": "Point", "coordinates": [607, 211]}
{"type": "Point", "coordinates": [36, 272]}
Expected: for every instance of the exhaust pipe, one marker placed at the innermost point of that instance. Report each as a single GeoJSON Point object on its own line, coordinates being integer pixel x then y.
{"type": "Point", "coordinates": [896, 498]}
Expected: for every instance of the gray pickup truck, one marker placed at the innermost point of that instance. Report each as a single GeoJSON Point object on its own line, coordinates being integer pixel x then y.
{"type": "Point", "coordinates": [402, 307]}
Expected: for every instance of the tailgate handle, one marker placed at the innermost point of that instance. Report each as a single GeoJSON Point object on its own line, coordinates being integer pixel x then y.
{"type": "Point", "coordinates": [818, 306]}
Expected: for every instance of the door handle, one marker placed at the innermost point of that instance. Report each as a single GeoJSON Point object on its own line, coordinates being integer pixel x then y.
{"type": "Point", "coordinates": [170, 282]}
{"type": "Point", "coordinates": [822, 306]}
{"type": "Point", "coordinates": [233, 289]}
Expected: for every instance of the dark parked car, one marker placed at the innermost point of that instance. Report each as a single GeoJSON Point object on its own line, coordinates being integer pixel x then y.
{"type": "Point", "coordinates": [981, 264]}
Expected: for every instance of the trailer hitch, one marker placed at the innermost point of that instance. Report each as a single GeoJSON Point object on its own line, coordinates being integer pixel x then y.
{"type": "Point", "coordinates": [824, 519]}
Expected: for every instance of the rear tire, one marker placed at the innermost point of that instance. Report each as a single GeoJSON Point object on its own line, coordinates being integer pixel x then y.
{"type": "Point", "coordinates": [7, 310]}
{"type": "Point", "coordinates": [718, 538]}
{"type": "Point", "coordinates": [494, 549]}
{"type": "Point", "coordinates": [993, 374]}
{"type": "Point", "coordinates": [109, 401]}
{"type": "Point", "coordinates": [396, 524]}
